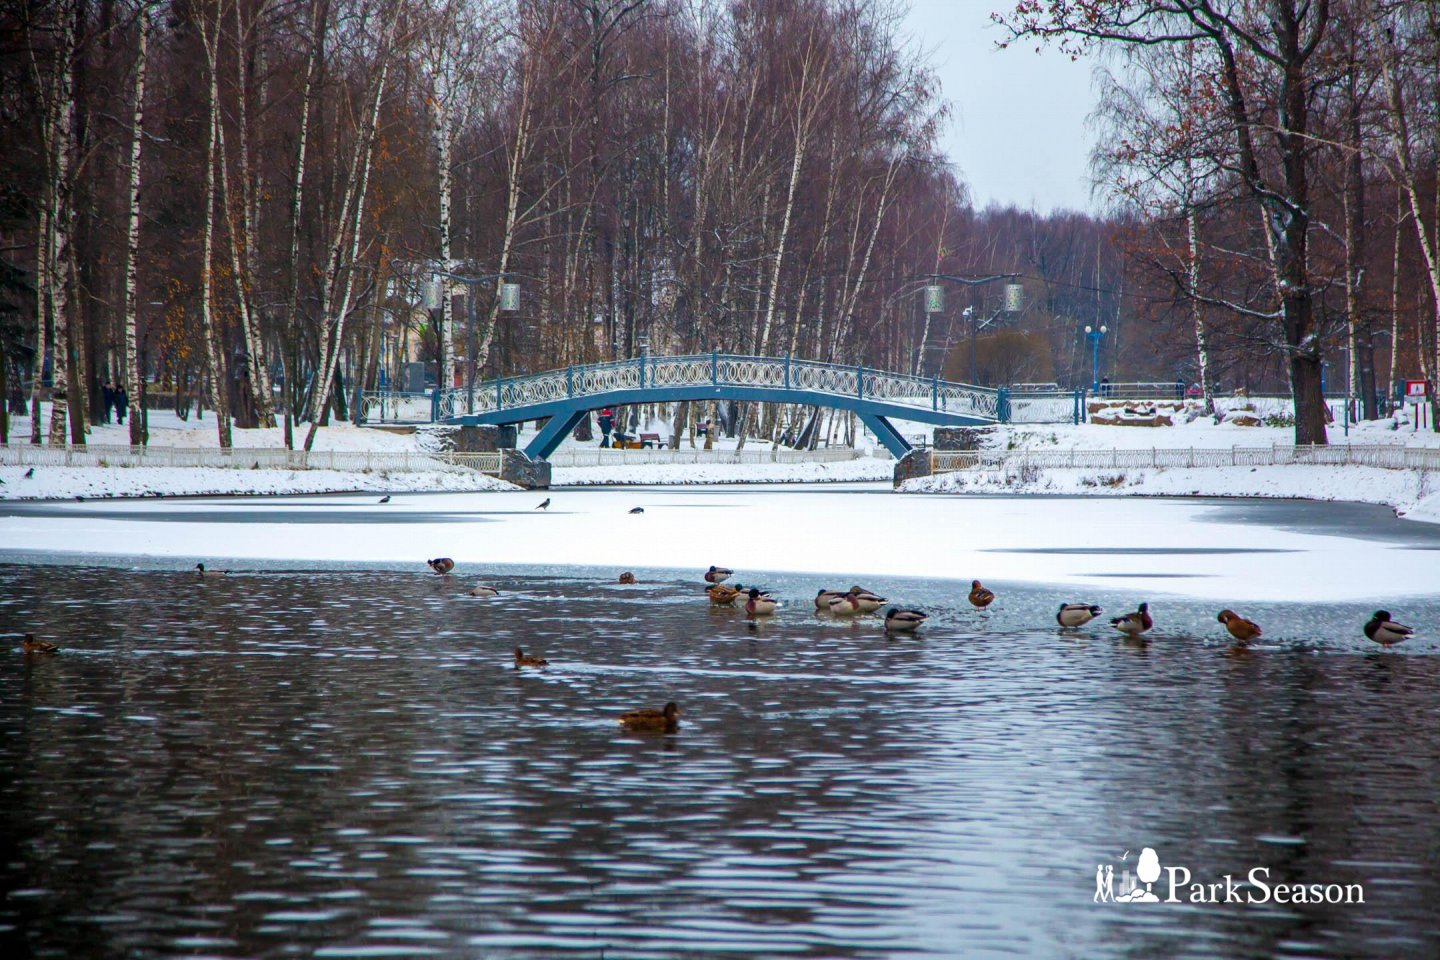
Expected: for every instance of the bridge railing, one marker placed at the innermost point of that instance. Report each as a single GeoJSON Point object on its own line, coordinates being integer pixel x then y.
{"type": "Point", "coordinates": [720, 369]}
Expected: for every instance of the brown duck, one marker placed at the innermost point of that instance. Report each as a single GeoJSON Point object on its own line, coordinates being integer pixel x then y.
{"type": "Point", "coordinates": [523, 659]}
{"type": "Point", "coordinates": [665, 720]}
{"type": "Point", "coordinates": [1241, 629]}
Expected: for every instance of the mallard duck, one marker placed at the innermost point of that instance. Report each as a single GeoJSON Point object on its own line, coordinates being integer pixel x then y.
{"type": "Point", "coordinates": [441, 565]}
{"type": "Point", "coordinates": [202, 573]}
{"type": "Point", "coordinates": [31, 645]}
{"type": "Point", "coordinates": [823, 598]}
{"type": "Point", "coordinates": [722, 595]}
{"type": "Point", "coordinates": [481, 590]}
{"type": "Point", "coordinates": [759, 604]}
{"type": "Point", "coordinates": [1134, 623]}
{"type": "Point", "coordinates": [718, 574]}
{"type": "Point", "coordinates": [1385, 631]}
{"type": "Point", "coordinates": [1076, 614]}
{"type": "Point", "coordinates": [903, 621]}
{"type": "Point", "coordinates": [845, 605]}
{"type": "Point", "coordinates": [979, 596]}
{"type": "Point", "coordinates": [665, 719]}
{"type": "Point", "coordinates": [523, 659]}
{"type": "Point", "coordinates": [627, 577]}
{"type": "Point", "coordinates": [1240, 628]}
{"type": "Point", "coordinates": [867, 601]}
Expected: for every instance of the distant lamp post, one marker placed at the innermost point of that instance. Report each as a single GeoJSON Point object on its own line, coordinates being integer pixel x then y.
{"type": "Point", "coordinates": [1094, 335]}
{"type": "Point", "coordinates": [969, 316]}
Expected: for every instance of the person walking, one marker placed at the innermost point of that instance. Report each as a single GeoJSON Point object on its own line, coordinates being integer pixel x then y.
{"type": "Point", "coordinates": [607, 422]}
{"type": "Point", "coordinates": [122, 403]}
{"type": "Point", "coordinates": [107, 396]}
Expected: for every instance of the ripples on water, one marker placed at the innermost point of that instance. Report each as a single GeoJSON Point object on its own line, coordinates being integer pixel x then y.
{"type": "Point", "coordinates": [343, 764]}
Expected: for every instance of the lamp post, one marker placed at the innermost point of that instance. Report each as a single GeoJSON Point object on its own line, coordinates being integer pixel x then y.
{"type": "Point", "coordinates": [969, 316]}
{"type": "Point", "coordinates": [1012, 305]}
{"type": "Point", "coordinates": [508, 301]}
{"type": "Point", "coordinates": [1094, 335]}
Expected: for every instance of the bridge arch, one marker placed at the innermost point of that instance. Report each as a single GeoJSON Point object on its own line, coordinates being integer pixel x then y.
{"type": "Point", "coordinates": [877, 397]}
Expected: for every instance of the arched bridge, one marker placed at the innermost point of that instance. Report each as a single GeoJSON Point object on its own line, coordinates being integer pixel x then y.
{"type": "Point", "coordinates": [565, 396]}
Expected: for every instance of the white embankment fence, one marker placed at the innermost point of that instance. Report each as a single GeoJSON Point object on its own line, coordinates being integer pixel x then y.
{"type": "Point", "coordinates": [614, 457]}
{"type": "Point", "coordinates": [1388, 457]}
{"type": "Point", "coordinates": [253, 458]}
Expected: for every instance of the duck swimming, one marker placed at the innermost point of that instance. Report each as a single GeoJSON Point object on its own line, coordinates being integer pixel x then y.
{"type": "Point", "coordinates": [31, 645]}
{"type": "Point", "coordinates": [664, 720]}
{"type": "Point", "coordinates": [523, 659]}
{"type": "Point", "coordinates": [903, 621]}
{"type": "Point", "coordinates": [441, 565]}
{"type": "Point", "coordinates": [481, 590]}
{"type": "Point", "coordinates": [759, 604]}
{"type": "Point", "coordinates": [867, 602]}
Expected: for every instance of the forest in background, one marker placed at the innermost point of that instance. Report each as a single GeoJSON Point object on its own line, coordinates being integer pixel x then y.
{"type": "Point", "coordinates": [242, 202]}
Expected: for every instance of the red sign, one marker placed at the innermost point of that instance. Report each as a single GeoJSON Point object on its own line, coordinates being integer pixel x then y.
{"type": "Point", "coordinates": [1417, 388]}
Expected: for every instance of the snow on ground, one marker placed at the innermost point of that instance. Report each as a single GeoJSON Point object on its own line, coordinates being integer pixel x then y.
{"type": "Point", "coordinates": [1414, 494]}
{"type": "Point", "coordinates": [840, 533]}
{"type": "Point", "coordinates": [168, 430]}
{"type": "Point", "coordinates": [65, 483]}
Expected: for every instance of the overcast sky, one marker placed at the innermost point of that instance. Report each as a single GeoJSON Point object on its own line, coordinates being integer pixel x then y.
{"type": "Point", "coordinates": [1017, 131]}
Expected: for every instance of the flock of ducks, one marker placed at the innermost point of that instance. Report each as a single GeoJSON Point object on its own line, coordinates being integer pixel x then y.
{"type": "Point", "coordinates": [856, 601]}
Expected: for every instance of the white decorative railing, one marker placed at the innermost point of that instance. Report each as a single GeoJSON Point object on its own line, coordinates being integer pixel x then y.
{"type": "Point", "coordinates": [257, 458]}
{"type": "Point", "coordinates": [611, 457]}
{"type": "Point", "coordinates": [380, 407]}
{"type": "Point", "coordinates": [778, 373]}
{"type": "Point", "coordinates": [1389, 457]}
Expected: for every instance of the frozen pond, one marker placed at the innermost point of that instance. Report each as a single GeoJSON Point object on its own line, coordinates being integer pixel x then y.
{"type": "Point", "coordinates": [335, 758]}
{"type": "Point", "coordinates": [1227, 551]}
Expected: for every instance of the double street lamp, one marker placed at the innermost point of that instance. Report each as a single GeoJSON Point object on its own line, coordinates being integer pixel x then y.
{"type": "Point", "coordinates": [1014, 303]}
{"type": "Point", "coordinates": [509, 302]}
{"type": "Point", "coordinates": [1093, 335]}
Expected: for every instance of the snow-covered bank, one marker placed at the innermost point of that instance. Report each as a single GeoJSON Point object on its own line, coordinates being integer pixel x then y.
{"type": "Point", "coordinates": [66, 483]}
{"type": "Point", "coordinates": [842, 534]}
{"type": "Point", "coordinates": [846, 471]}
{"type": "Point", "coordinates": [1413, 494]}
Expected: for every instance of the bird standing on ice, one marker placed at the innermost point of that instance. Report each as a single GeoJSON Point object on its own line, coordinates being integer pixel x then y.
{"type": "Point", "coordinates": [1241, 629]}
{"type": "Point", "coordinates": [544, 504]}
{"type": "Point", "coordinates": [1073, 615]}
{"type": "Point", "coordinates": [1385, 631]}
{"type": "Point", "coordinates": [441, 565]}
{"type": "Point", "coordinates": [1135, 623]}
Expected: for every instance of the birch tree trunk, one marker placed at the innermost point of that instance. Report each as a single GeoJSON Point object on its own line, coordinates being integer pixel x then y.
{"type": "Point", "coordinates": [214, 353]}
{"type": "Point", "coordinates": [242, 237]}
{"type": "Point", "coordinates": [1197, 309]}
{"type": "Point", "coordinates": [444, 142]}
{"type": "Point", "coordinates": [132, 230]}
{"type": "Point", "coordinates": [58, 275]}
{"type": "Point", "coordinates": [290, 352]}
{"type": "Point", "coordinates": [339, 280]}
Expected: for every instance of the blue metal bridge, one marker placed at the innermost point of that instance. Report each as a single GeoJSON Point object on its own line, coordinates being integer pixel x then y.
{"type": "Point", "coordinates": [877, 397]}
